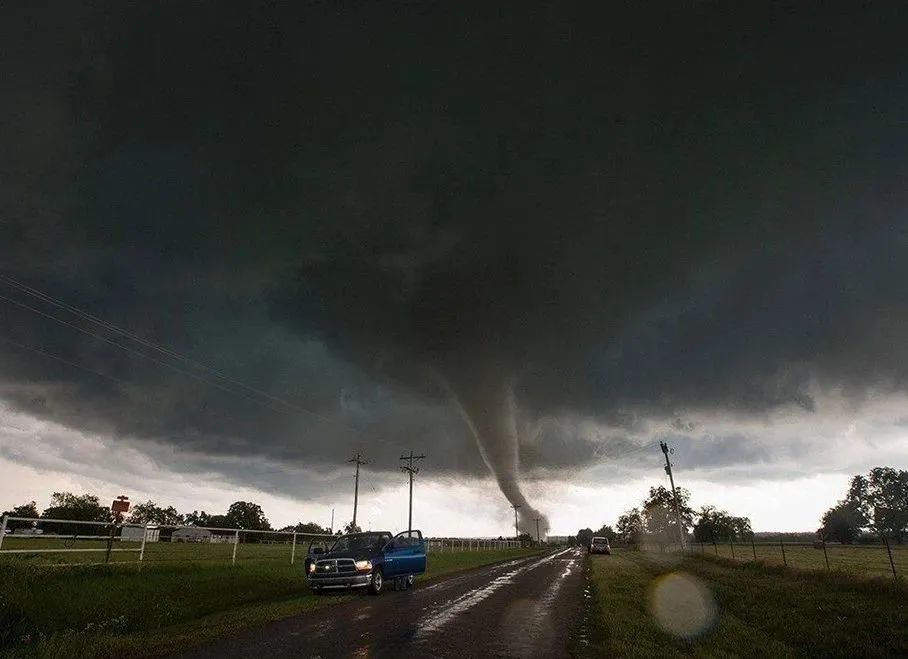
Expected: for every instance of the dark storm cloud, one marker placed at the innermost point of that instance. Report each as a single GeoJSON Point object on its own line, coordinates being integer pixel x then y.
{"type": "Point", "coordinates": [368, 212]}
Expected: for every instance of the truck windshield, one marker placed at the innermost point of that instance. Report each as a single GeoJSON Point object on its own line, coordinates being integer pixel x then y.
{"type": "Point", "coordinates": [360, 541]}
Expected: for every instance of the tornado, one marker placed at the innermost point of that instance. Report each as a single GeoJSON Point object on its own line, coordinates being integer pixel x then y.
{"type": "Point", "coordinates": [487, 405]}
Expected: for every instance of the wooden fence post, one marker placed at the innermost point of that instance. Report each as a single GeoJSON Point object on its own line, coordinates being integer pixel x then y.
{"type": "Point", "coordinates": [891, 562]}
{"type": "Point", "coordinates": [782, 545]}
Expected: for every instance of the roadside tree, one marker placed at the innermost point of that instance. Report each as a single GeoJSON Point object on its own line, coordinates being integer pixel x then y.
{"type": "Point", "coordinates": [151, 513]}
{"type": "Point", "coordinates": [29, 509]}
{"type": "Point", "coordinates": [630, 527]}
{"type": "Point", "coordinates": [306, 527]}
{"type": "Point", "coordinates": [841, 523]}
{"type": "Point", "coordinates": [606, 531]}
{"type": "Point", "coordinates": [715, 525]}
{"type": "Point", "coordinates": [660, 521]}
{"type": "Point", "coordinates": [247, 515]}
{"type": "Point", "coordinates": [80, 507]}
{"type": "Point", "coordinates": [880, 500]}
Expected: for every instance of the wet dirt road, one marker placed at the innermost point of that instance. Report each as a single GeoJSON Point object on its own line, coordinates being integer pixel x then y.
{"type": "Point", "coordinates": [523, 608]}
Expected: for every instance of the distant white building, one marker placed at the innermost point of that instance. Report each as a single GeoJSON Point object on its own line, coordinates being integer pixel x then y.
{"type": "Point", "coordinates": [134, 533]}
{"type": "Point", "coordinates": [191, 534]}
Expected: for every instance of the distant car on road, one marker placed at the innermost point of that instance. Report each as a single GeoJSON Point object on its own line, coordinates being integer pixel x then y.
{"type": "Point", "coordinates": [368, 560]}
{"type": "Point", "coordinates": [600, 546]}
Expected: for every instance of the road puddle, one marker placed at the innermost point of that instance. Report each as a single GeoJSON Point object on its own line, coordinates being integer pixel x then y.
{"type": "Point", "coordinates": [445, 613]}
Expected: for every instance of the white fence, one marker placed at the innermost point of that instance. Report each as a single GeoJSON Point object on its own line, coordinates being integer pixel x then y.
{"type": "Point", "coordinates": [468, 544]}
{"type": "Point", "coordinates": [152, 544]}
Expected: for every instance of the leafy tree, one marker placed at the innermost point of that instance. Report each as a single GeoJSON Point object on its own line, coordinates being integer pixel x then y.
{"type": "Point", "coordinates": [307, 527]}
{"type": "Point", "coordinates": [221, 522]}
{"type": "Point", "coordinates": [196, 518]}
{"type": "Point", "coordinates": [247, 515]}
{"type": "Point", "coordinates": [881, 499]}
{"type": "Point", "coordinates": [352, 528]}
{"type": "Point", "coordinates": [841, 523]}
{"type": "Point", "coordinates": [606, 531]}
{"type": "Point", "coordinates": [29, 509]}
{"type": "Point", "coordinates": [630, 527]}
{"type": "Point", "coordinates": [80, 507]}
{"type": "Point", "coordinates": [526, 539]}
{"type": "Point", "coordinates": [660, 521]}
{"type": "Point", "coordinates": [151, 513]}
{"type": "Point", "coordinates": [584, 537]}
{"type": "Point", "coordinates": [719, 526]}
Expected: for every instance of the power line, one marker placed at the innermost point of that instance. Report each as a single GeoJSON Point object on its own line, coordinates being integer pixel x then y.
{"type": "Point", "coordinates": [58, 358]}
{"type": "Point", "coordinates": [131, 350]}
{"type": "Point", "coordinates": [632, 451]}
{"type": "Point", "coordinates": [82, 367]}
{"type": "Point", "coordinates": [60, 304]}
{"type": "Point", "coordinates": [167, 352]}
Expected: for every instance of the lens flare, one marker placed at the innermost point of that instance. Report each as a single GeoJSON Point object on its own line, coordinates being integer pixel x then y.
{"type": "Point", "coordinates": [682, 605]}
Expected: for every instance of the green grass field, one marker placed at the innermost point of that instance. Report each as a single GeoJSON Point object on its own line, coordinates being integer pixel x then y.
{"type": "Point", "coordinates": [155, 552]}
{"type": "Point", "coordinates": [117, 610]}
{"type": "Point", "coordinates": [870, 560]}
{"type": "Point", "coordinates": [677, 606]}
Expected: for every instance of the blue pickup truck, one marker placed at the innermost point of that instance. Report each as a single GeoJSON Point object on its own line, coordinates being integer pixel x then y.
{"type": "Point", "coordinates": [367, 560]}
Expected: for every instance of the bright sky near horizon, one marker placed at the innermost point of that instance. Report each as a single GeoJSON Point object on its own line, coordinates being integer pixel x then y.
{"type": "Point", "coordinates": [57, 459]}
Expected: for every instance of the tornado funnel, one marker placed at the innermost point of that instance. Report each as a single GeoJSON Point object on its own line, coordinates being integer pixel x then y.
{"type": "Point", "coordinates": [488, 408]}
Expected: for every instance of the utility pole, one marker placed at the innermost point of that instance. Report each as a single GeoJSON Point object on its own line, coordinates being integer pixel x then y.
{"type": "Point", "coordinates": [537, 530]}
{"type": "Point", "coordinates": [516, 532]}
{"type": "Point", "coordinates": [331, 529]}
{"type": "Point", "coordinates": [671, 478]}
{"type": "Point", "coordinates": [411, 470]}
{"type": "Point", "coordinates": [358, 459]}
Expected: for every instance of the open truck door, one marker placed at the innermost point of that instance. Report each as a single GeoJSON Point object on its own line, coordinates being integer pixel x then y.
{"type": "Point", "coordinates": [405, 555]}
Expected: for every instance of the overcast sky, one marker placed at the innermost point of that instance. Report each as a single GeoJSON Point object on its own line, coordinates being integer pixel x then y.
{"type": "Point", "coordinates": [526, 244]}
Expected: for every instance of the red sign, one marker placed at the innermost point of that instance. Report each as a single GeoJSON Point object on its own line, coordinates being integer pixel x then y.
{"type": "Point", "coordinates": [120, 505]}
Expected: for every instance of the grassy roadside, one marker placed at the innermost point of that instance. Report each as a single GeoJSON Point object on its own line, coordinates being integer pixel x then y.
{"type": "Point", "coordinates": [866, 560]}
{"type": "Point", "coordinates": [115, 612]}
{"type": "Point", "coordinates": [759, 610]}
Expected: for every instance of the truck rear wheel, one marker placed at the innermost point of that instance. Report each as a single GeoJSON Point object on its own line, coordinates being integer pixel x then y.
{"type": "Point", "coordinates": [376, 582]}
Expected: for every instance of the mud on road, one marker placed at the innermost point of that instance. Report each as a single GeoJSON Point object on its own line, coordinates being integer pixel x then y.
{"type": "Point", "coordinates": [522, 608]}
